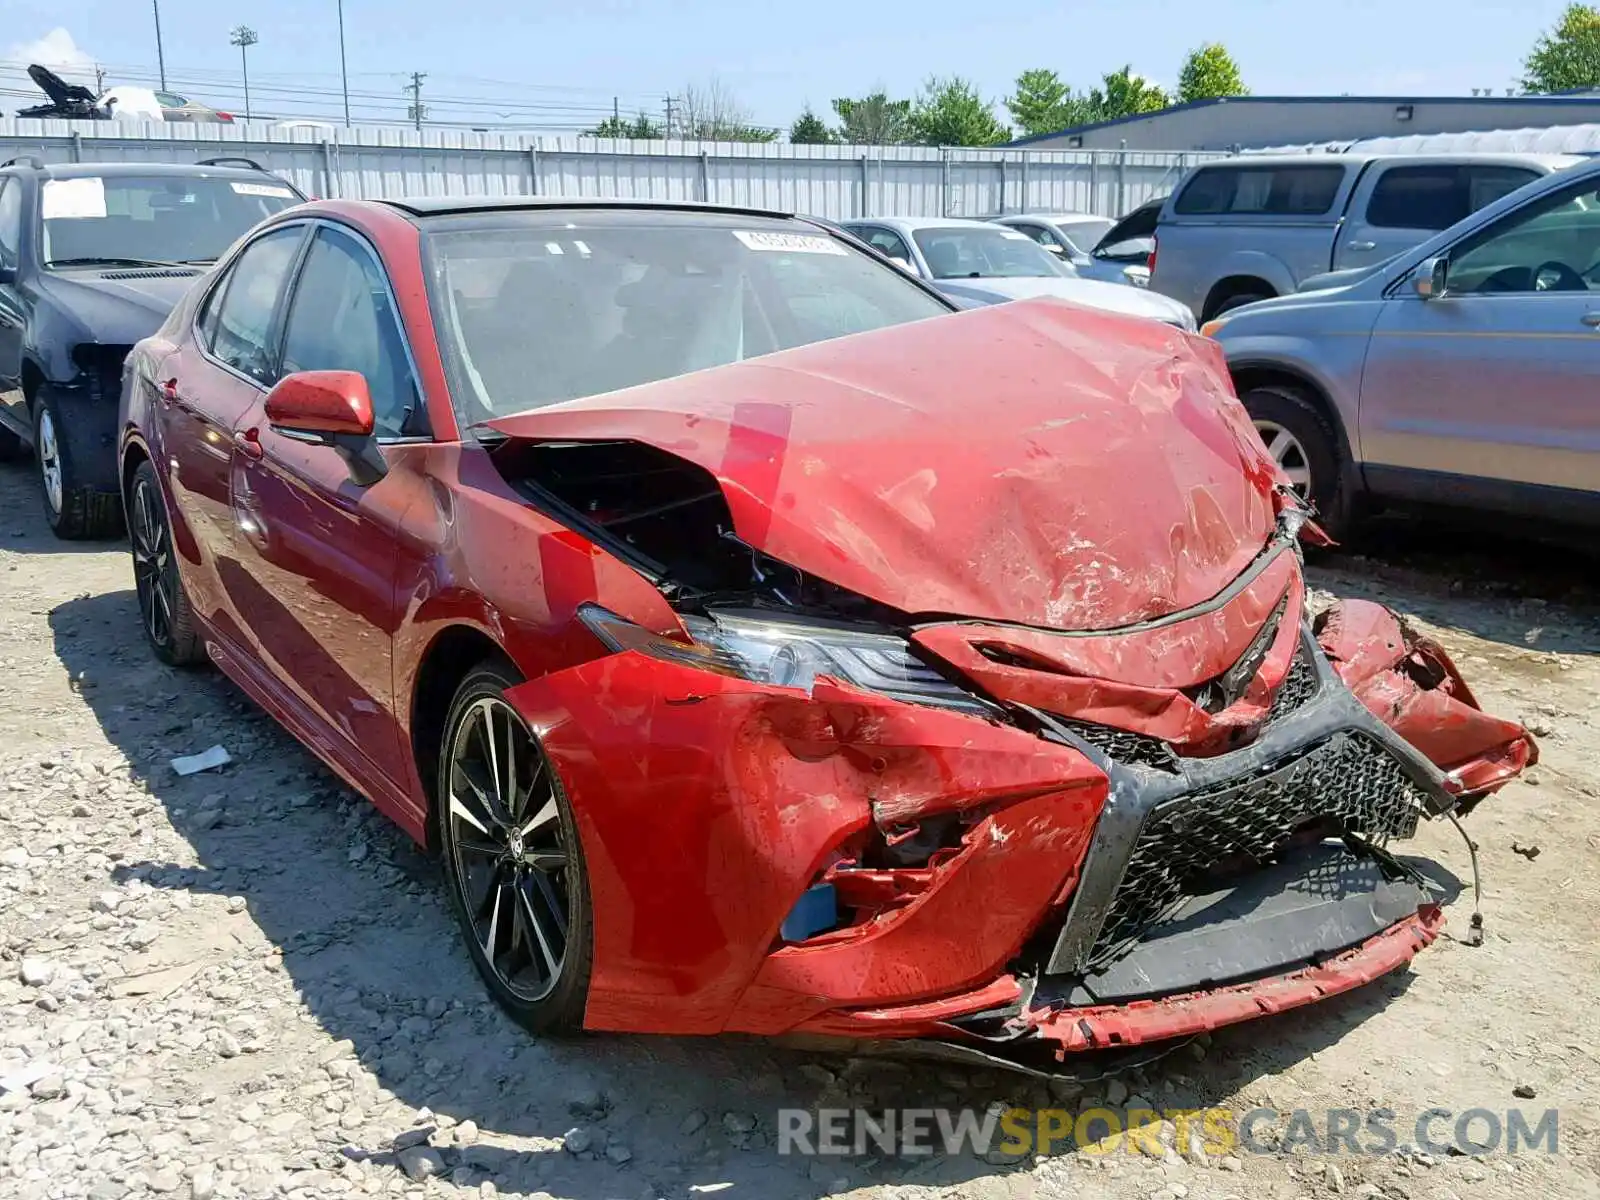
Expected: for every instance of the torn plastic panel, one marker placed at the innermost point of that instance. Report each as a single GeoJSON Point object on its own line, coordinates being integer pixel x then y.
{"type": "Point", "coordinates": [1408, 681]}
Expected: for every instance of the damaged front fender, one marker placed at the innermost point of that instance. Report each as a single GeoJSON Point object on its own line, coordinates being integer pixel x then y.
{"type": "Point", "coordinates": [707, 805]}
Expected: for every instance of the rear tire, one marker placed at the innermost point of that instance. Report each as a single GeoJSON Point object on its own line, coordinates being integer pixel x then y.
{"type": "Point", "coordinates": [75, 512]}
{"type": "Point", "coordinates": [164, 611]}
{"type": "Point", "coordinates": [512, 859]}
{"type": "Point", "coordinates": [1306, 446]}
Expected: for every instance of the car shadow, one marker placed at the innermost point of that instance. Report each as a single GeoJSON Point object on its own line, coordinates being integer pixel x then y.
{"type": "Point", "coordinates": [22, 525]}
{"type": "Point", "coordinates": [355, 916]}
{"type": "Point", "coordinates": [1514, 583]}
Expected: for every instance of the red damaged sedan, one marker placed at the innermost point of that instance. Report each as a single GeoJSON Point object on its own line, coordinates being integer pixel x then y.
{"type": "Point", "coordinates": [767, 648]}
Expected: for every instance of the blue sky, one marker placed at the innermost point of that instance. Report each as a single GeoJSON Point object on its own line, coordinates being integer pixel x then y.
{"type": "Point", "coordinates": [561, 64]}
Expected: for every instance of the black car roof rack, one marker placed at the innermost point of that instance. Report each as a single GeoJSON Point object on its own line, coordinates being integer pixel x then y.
{"type": "Point", "coordinates": [226, 159]}
{"type": "Point", "coordinates": [26, 160]}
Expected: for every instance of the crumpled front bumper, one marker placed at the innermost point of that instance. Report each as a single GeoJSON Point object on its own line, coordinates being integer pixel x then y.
{"type": "Point", "coordinates": [708, 806]}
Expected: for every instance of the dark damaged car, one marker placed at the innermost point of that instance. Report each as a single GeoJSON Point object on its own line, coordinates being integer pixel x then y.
{"type": "Point", "coordinates": [767, 648]}
{"type": "Point", "coordinates": [92, 258]}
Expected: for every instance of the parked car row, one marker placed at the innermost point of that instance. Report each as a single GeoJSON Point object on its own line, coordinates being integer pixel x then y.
{"type": "Point", "coordinates": [1405, 330]}
{"type": "Point", "coordinates": [983, 262]}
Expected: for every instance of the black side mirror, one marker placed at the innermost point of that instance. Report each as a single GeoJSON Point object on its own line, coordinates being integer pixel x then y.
{"type": "Point", "coordinates": [8, 275]}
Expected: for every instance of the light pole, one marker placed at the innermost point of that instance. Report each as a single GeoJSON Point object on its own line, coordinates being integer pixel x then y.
{"type": "Point", "coordinates": [161, 58]}
{"type": "Point", "coordinates": [344, 75]}
{"type": "Point", "coordinates": [244, 37]}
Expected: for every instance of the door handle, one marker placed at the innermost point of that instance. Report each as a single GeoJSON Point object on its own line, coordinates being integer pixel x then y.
{"type": "Point", "coordinates": [248, 442]}
{"type": "Point", "coordinates": [1591, 319]}
{"type": "Point", "coordinates": [1363, 245]}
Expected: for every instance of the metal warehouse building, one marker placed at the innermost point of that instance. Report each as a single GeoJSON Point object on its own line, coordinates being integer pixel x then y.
{"type": "Point", "coordinates": [1252, 122]}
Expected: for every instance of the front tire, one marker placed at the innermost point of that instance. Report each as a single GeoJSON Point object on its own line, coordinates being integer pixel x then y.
{"type": "Point", "coordinates": [164, 611]}
{"type": "Point", "coordinates": [512, 859]}
{"type": "Point", "coordinates": [75, 512]}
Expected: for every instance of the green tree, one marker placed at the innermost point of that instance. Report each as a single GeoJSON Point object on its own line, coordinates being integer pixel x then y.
{"type": "Point", "coordinates": [641, 127]}
{"type": "Point", "coordinates": [950, 112]}
{"type": "Point", "coordinates": [1124, 94]}
{"type": "Point", "coordinates": [1568, 56]}
{"type": "Point", "coordinates": [1210, 72]}
{"type": "Point", "coordinates": [874, 120]}
{"type": "Point", "coordinates": [808, 128]}
{"type": "Point", "coordinates": [1041, 102]}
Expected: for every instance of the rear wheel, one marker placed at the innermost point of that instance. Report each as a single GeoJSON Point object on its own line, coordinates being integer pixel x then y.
{"type": "Point", "coordinates": [512, 858]}
{"type": "Point", "coordinates": [74, 512]}
{"type": "Point", "coordinates": [163, 607]}
{"type": "Point", "coordinates": [1302, 442]}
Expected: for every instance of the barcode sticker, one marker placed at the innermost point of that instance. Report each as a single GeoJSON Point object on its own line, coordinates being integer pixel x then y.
{"type": "Point", "coordinates": [789, 243]}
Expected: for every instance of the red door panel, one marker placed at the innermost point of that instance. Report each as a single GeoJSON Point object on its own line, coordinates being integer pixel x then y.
{"type": "Point", "coordinates": [314, 582]}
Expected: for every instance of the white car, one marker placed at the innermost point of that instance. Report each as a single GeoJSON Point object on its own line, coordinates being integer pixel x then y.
{"type": "Point", "coordinates": [979, 262]}
{"type": "Point", "coordinates": [1097, 247]}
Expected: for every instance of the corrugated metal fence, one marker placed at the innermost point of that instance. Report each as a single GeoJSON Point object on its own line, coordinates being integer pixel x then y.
{"type": "Point", "coordinates": [837, 182]}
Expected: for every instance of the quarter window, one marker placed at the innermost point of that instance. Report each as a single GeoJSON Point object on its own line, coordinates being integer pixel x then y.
{"type": "Point", "coordinates": [341, 320]}
{"type": "Point", "coordinates": [242, 336]}
{"type": "Point", "coordinates": [1278, 191]}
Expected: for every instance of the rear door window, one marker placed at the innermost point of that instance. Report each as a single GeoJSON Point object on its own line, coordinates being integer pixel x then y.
{"type": "Point", "coordinates": [1435, 197]}
{"type": "Point", "coordinates": [1275, 191]}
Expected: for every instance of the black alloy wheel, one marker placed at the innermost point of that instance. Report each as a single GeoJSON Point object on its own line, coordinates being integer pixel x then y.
{"type": "Point", "coordinates": [512, 857]}
{"type": "Point", "coordinates": [163, 606]}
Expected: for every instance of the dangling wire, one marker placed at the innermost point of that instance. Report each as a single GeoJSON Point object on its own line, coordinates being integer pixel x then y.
{"type": "Point", "coordinates": [1475, 927]}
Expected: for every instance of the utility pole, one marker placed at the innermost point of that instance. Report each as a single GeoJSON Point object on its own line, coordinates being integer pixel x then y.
{"type": "Point", "coordinates": [244, 37]}
{"type": "Point", "coordinates": [668, 131]}
{"type": "Point", "coordinates": [344, 75]}
{"type": "Point", "coordinates": [161, 58]}
{"type": "Point", "coordinates": [417, 110]}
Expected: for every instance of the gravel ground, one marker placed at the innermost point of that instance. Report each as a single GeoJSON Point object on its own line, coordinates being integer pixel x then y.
{"type": "Point", "coordinates": [245, 983]}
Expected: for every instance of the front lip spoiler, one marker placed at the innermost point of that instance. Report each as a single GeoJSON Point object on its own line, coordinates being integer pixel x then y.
{"type": "Point", "coordinates": [1094, 1035]}
{"type": "Point", "coordinates": [1136, 792]}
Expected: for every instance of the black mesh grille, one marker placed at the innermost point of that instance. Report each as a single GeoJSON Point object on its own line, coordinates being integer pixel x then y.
{"type": "Point", "coordinates": [1349, 783]}
{"type": "Point", "coordinates": [1126, 747]}
{"type": "Point", "coordinates": [1298, 686]}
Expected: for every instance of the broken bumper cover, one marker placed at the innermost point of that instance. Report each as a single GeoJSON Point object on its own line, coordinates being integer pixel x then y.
{"type": "Point", "coordinates": [1069, 901]}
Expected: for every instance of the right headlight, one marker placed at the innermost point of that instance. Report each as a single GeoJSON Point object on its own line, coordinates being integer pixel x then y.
{"type": "Point", "coordinates": [790, 654]}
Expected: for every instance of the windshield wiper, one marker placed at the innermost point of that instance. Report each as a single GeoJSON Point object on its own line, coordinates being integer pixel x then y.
{"type": "Point", "coordinates": [112, 260]}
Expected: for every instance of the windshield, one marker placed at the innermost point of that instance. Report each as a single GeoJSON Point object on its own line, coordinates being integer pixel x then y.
{"type": "Point", "coordinates": [156, 219]}
{"type": "Point", "coordinates": [954, 252]}
{"type": "Point", "coordinates": [533, 311]}
{"type": "Point", "coordinates": [1084, 235]}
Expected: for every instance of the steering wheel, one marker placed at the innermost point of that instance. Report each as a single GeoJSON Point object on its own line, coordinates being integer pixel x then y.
{"type": "Point", "coordinates": [1557, 277]}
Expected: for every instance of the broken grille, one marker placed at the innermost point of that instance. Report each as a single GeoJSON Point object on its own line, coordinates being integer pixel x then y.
{"type": "Point", "coordinates": [1348, 784]}
{"type": "Point", "coordinates": [1298, 686]}
{"type": "Point", "coordinates": [1126, 747]}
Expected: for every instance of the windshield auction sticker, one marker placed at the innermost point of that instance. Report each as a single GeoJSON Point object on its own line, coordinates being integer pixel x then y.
{"type": "Point", "coordinates": [789, 243]}
{"type": "Point", "coordinates": [262, 189]}
{"type": "Point", "coordinates": [74, 199]}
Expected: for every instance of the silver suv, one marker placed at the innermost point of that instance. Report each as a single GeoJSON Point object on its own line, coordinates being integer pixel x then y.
{"type": "Point", "coordinates": [1464, 371]}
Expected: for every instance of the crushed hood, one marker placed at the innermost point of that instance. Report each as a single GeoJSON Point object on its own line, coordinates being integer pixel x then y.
{"type": "Point", "coordinates": [1036, 462]}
